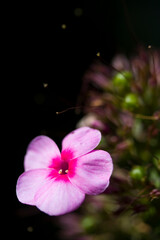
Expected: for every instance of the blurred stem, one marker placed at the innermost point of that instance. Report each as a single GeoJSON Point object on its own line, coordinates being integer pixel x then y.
{"type": "Point", "coordinates": [154, 118]}
{"type": "Point", "coordinates": [128, 22]}
{"type": "Point", "coordinates": [134, 199]}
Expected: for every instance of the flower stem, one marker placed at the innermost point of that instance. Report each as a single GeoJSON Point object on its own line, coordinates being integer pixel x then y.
{"type": "Point", "coordinates": [154, 118]}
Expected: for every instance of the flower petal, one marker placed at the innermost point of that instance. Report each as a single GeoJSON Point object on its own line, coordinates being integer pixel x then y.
{"type": "Point", "coordinates": [29, 182]}
{"type": "Point", "coordinates": [80, 142]}
{"type": "Point", "coordinates": [40, 153]}
{"type": "Point", "coordinates": [58, 196]}
{"type": "Point", "coordinates": [91, 172]}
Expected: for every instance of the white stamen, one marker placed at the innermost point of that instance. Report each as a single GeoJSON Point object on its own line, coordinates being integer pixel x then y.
{"type": "Point", "coordinates": [60, 171]}
{"type": "Point", "coordinates": [66, 171]}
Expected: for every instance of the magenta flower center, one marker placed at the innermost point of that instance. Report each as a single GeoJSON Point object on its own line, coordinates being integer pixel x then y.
{"type": "Point", "coordinates": [63, 168]}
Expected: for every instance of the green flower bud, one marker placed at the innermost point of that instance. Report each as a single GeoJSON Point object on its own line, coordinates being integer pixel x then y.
{"type": "Point", "coordinates": [131, 101]}
{"type": "Point", "coordinates": [138, 130]}
{"type": "Point", "coordinates": [88, 223]}
{"type": "Point", "coordinates": [121, 81]}
{"type": "Point", "coordinates": [137, 173]}
{"type": "Point", "coordinates": [154, 177]}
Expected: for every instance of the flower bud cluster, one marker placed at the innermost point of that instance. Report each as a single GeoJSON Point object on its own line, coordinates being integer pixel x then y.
{"type": "Point", "coordinates": [123, 101]}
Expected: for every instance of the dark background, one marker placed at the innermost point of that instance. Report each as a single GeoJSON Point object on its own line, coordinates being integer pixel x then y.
{"type": "Point", "coordinates": [38, 50]}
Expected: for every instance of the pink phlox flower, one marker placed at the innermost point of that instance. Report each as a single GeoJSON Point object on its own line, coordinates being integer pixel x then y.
{"type": "Point", "coordinates": [57, 182]}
